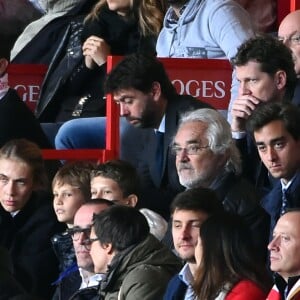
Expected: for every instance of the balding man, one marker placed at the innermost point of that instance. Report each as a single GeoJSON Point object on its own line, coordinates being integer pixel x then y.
{"type": "Point", "coordinates": [285, 257]}
{"type": "Point", "coordinates": [80, 277]}
{"type": "Point", "coordinates": [289, 34]}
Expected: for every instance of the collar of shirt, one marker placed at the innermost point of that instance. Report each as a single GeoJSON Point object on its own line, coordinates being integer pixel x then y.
{"type": "Point", "coordinates": [14, 213]}
{"type": "Point", "coordinates": [186, 276]}
{"type": "Point", "coordinates": [173, 18]}
{"type": "Point", "coordinates": [161, 127]}
{"type": "Point", "coordinates": [3, 85]}
{"type": "Point", "coordinates": [286, 186]}
{"type": "Point", "coordinates": [283, 286]}
{"type": "Point", "coordinates": [87, 280]}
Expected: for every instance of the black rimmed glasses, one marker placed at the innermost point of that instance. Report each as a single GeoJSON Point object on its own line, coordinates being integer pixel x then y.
{"type": "Point", "coordinates": [89, 241]}
{"type": "Point", "coordinates": [192, 149]}
{"type": "Point", "coordinates": [77, 231]}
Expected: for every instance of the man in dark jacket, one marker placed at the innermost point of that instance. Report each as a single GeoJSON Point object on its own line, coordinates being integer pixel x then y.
{"type": "Point", "coordinates": [136, 264]}
{"type": "Point", "coordinates": [265, 69]}
{"type": "Point", "coordinates": [189, 210]}
{"type": "Point", "coordinates": [27, 220]}
{"type": "Point", "coordinates": [149, 102]}
{"type": "Point", "coordinates": [206, 156]}
{"type": "Point", "coordinates": [276, 131]}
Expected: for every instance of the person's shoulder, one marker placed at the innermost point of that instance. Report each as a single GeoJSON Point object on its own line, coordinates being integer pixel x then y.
{"type": "Point", "coordinates": [246, 289]}
{"type": "Point", "coordinates": [188, 101]}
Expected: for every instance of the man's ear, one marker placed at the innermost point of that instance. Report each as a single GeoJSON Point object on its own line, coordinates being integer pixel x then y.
{"type": "Point", "coordinates": [280, 79]}
{"type": "Point", "coordinates": [156, 90]}
{"type": "Point", "coordinates": [108, 248]}
{"type": "Point", "coordinates": [132, 200]}
{"type": "Point", "coordinates": [3, 65]}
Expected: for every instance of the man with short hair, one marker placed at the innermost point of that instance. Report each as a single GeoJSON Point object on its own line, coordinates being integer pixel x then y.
{"type": "Point", "coordinates": [189, 210]}
{"type": "Point", "coordinates": [276, 130]}
{"type": "Point", "coordinates": [81, 275]}
{"type": "Point", "coordinates": [136, 265]}
{"type": "Point", "coordinates": [265, 70]}
{"type": "Point", "coordinates": [285, 257]}
{"type": "Point", "coordinates": [148, 100]}
{"type": "Point", "coordinates": [206, 156]}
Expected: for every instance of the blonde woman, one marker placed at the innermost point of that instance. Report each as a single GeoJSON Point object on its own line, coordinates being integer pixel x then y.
{"type": "Point", "coordinates": [120, 27]}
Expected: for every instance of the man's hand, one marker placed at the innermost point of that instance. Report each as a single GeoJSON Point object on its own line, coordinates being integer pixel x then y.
{"type": "Point", "coordinates": [241, 109]}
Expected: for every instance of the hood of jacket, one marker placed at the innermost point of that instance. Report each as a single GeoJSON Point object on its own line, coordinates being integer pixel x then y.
{"type": "Point", "coordinates": [55, 6]}
{"type": "Point", "coordinates": [54, 9]}
{"type": "Point", "coordinates": [149, 252]}
{"type": "Point", "coordinates": [187, 16]}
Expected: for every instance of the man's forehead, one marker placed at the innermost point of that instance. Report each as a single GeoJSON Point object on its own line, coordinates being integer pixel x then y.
{"type": "Point", "coordinates": [124, 92]}
{"type": "Point", "coordinates": [84, 215]}
{"type": "Point", "coordinates": [289, 223]}
{"type": "Point", "coordinates": [186, 214]}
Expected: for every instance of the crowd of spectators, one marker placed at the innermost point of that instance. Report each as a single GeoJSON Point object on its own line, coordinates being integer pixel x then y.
{"type": "Point", "coordinates": [198, 206]}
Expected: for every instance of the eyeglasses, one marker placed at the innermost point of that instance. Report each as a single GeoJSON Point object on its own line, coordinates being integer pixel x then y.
{"type": "Point", "coordinates": [89, 241]}
{"type": "Point", "coordinates": [192, 149]}
{"type": "Point", "coordinates": [76, 232]}
{"type": "Point", "coordinates": [295, 39]}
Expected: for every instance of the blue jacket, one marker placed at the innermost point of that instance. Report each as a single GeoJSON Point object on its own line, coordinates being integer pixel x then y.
{"type": "Point", "coordinates": [273, 200]}
{"type": "Point", "coordinates": [176, 289]}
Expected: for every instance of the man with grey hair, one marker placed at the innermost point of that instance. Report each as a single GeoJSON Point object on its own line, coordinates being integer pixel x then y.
{"type": "Point", "coordinates": [206, 156]}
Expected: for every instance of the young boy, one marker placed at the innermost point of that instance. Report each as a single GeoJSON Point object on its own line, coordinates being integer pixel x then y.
{"type": "Point", "coordinates": [117, 180]}
{"type": "Point", "coordinates": [71, 188]}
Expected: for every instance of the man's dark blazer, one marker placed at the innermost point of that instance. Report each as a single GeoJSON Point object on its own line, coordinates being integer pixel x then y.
{"type": "Point", "coordinates": [17, 121]}
{"type": "Point", "coordinates": [159, 190]}
{"type": "Point", "coordinates": [272, 202]}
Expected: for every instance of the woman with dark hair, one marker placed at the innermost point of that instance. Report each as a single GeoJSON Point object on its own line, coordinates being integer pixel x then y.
{"type": "Point", "coordinates": [227, 264]}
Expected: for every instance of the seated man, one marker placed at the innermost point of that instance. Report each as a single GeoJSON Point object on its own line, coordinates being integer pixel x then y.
{"type": "Point", "coordinates": [136, 265]}
{"type": "Point", "coordinates": [149, 102]}
{"type": "Point", "coordinates": [188, 211]}
{"type": "Point", "coordinates": [265, 70]}
{"type": "Point", "coordinates": [276, 130]}
{"type": "Point", "coordinates": [27, 218]}
{"type": "Point", "coordinates": [285, 257]}
{"type": "Point", "coordinates": [81, 275]}
{"type": "Point", "coordinates": [206, 156]}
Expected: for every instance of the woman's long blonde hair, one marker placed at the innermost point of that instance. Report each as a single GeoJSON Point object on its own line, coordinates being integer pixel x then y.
{"type": "Point", "coordinates": [149, 13]}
